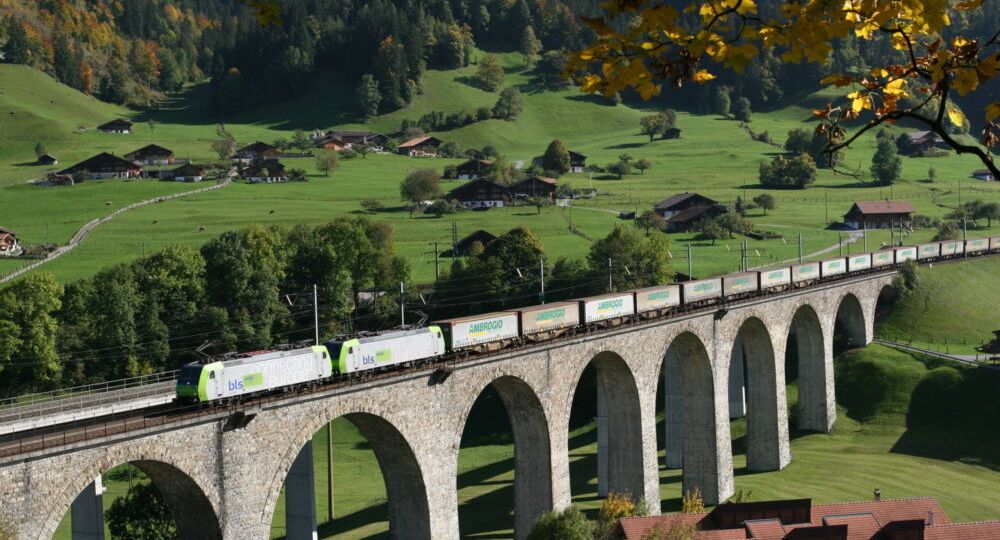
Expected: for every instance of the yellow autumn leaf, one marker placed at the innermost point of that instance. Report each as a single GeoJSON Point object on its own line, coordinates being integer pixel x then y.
{"type": "Point", "coordinates": [959, 42]}
{"type": "Point", "coordinates": [702, 76]}
{"type": "Point", "coordinates": [956, 116]}
{"type": "Point", "coordinates": [649, 45]}
{"type": "Point", "coordinates": [968, 4]}
{"type": "Point", "coordinates": [992, 111]}
{"type": "Point", "coordinates": [591, 83]}
{"type": "Point", "coordinates": [895, 88]}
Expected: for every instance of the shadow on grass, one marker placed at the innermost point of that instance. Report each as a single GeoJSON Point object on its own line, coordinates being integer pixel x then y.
{"type": "Point", "coordinates": [628, 145]}
{"type": "Point", "coordinates": [947, 446]}
{"type": "Point", "coordinates": [483, 515]}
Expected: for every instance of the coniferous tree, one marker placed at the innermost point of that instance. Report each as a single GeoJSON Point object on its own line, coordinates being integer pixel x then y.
{"type": "Point", "coordinates": [368, 95]}
{"type": "Point", "coordinates": [489, 74]}
{"type": "Point", "coordinates": [530, 45]}
{"type": "Point", "coordinates": [17, 50]}
{"type": "Point", "coordinates": [886, 165]}
{"type": "Point", "coordinates": [556, 157]}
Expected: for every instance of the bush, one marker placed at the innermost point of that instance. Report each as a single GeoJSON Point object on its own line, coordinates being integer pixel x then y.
{"type": "Point", "coordinates": [348, 153]}
{"type": "Point", "coordinates": [796, 172]}
{"type": "Point", "coordinates": [921, 221]}
{"type": "Point", "coordinates": [936, 399]}
{"type": "Point", "coordinates": [450, 172]}
{"type": "Point", "coordinates": [570, 524]}
{"type": "Point", "coordinates": [948, 231]}
{"type": "Point", "coordinates": [372, 205]}
{"type": "Point", "coordinates": [439, 208]}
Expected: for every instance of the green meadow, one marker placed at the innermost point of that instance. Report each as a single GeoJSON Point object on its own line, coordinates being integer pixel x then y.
{"type": "Point", "coordinates": [715, 156]}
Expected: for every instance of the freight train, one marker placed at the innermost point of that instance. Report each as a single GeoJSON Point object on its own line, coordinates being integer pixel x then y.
{"type": "Point", "coordinates": [364, 354]}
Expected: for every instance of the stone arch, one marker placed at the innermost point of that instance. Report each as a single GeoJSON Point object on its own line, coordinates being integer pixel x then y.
{"type": "Point", "coordinates": [767, 426]}
{"type": "Point", "coordinates": [192, 510]}
{"type": "Point", "coordinates": [706, 454]}
{"type": "Point", "coordinates": [409, 512]}
{"type": "Point", "coordinates": [817, 408]}
{"type": "Point", "coordinates": [884, 301]}
{"type": "Point", "coordinates": [533, 489]}
{"type": "Point", "coordinates": [619, 425]}
{"type": "Point", "coordinates": [850, 318]}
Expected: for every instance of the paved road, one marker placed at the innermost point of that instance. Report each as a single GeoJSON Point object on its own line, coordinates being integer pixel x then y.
{"type": "Point", "coordinates": [93, 224]}
{"type": "Point", "coordinates": [963, 358]}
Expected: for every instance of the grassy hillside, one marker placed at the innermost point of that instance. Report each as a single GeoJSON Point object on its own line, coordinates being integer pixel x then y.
{"type": "Point", "coordinates": [715, 156]}
{"type": "Point", "coordinates": [953, 307]}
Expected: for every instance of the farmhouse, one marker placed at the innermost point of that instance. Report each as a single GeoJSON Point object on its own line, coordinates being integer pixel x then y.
{"type": "Point", "coordinates": [921, 141]}
{"type": "Point", "coordinates": [463, 246]}
{"type": "Point", "coordinates": [680, 202]}
{"type": "Point", "coordinates": [902, 519]}
{"type": "Point", "coordinates": [103, 165]}
{"type": "Point", "coordinates": [342, 139]}
{"type": "Point", "coordinates": [8, 243]}
{"type": "Point", "coordinates": [687, 219]}
{"type": "Point", "coordinates": [480, 194]}
{"type": "Point", "coordinates": [879, 214]}
{"type": "Point", "coordinates": [119, 125]}
{"type": "Point", "coordinates": [472, 169]}
{"type": "Point", "coordinates": [426, 146]}
{"type": "Point", "coordinates": [535, 186]}
{"type": "Point", "coordinates": [577, 162]}
{"type": "Point", "coordinates": [256, 152]}
{"type": "Point", "coordinates": [151, 154]}
{"type": "Point", "coordinates": [188, 172]}
{"type": "Point", "coordinates": [983, 174]}
{"type": "Point", "coordinates": [269, 171]}
{"type": "Point", "coordinates": [46, 159]}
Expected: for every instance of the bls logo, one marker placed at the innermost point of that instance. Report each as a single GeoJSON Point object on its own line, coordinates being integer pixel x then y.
{"type": "Point", "coordinates": [368, 360]}
{"type": "Point", "coordinates": [235, 385]}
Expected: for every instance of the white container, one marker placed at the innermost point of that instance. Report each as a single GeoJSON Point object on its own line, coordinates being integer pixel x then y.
{"type": "Point", "coordinates": [701, 289]}
{"type": "Point", "coordinates": [994, 243]}
{"type": "Point", "coordinates": [903, 254]}
{"type": "Point", "coordinates": [267, 371]}
{"type": "Point", "coordinates": [805, 271]}
{"type": "Point", "coordinates": [977, 245]}
{"type": "Point", "coordinates": [833, 267]}
{"type": "Point", "coordinates": [654, 298]}
{"type": "Point", "coordinates": [859, 262]}
{"type": "Point", "coordinates": [549, 317]}
{"type": "Point", "coordinates": [479, 329]}
{"type": "Point", "coordinates": [739, 283]}
{"type": "Point", "coordinates": [390, 348]}
{"type": "Point", "coordinates": [775, 278]}
{"type": "Point", "coordinates": [952, 247]}
{"type": "Point", "coordinates": [882, 258]}
{"type": "Point", "coordinates": [609, 306]}
{"type": "Point", "coordinates": [926, 251]}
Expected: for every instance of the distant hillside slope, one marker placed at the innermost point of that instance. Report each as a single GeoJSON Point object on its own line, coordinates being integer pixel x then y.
{"type": "Point", "coordinates": [954, 304]}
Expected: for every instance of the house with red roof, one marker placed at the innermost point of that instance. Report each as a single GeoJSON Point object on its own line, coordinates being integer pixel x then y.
{"type": "Point", "coordinates": [426, 146]}
{"type": "Point", "coordinates": [879, 214]}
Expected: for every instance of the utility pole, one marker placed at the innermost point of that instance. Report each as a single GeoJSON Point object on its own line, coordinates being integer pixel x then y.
{"type": "Point", "coordinates": [316, 311]}
{"type": "Point", "coordinates": [402, 306]}
{"type": "Point", "coordinates": [541, 274]}
{"type": "Point", "coordinates": [840, 243]}
{"type": "Point", "coordinates": [800, 247]}
{"type": "Point", "coordinates": [965, 239]}
{"type": "Point", "coordinates": [690, 270]}
{"type": "Point", "coordinates": [826, 202]}
{"type": "Point", "coordinates": [454, 237]}
{"type": "Point", "coordinates": [610, 287]}
{"type": "Point", "coordinates": [865, 233]}
{"type": "Point", "coordinates": [436, 262]}
{"type": "Point", "coordinates": [329, 471]}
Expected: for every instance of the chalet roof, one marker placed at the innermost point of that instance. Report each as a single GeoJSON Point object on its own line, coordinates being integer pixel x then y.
{"type": "Point", "coordinates": [871, 208]}
{"type": "Point", "coordinates": [576, 156]}
{"type": "Point", "coordinates": [674, 200]}
{"type": "Point", "coordinates": [256, 148]}
{"type": "Point", "coordinates": [151, 149]}
{"type": "Point", "coordinates": [417, 141]}
{"type": "Point", "coordinates": [116, 123]}
{"type": "Point", "coordinates": [273, 167]}
{"type": "Point", "coordinates": [472, 191]}
{"type": "Point", "coordinates": [864, 520]}
{"type": "Point", "coordinates": [695, 213]}
{"type": "Point", "coordinates": [47, 158]}
{"type": "Point", "coordinates": [477, 164]}
{"type": "Point", "coordinates": [982, 172]}
{"type": "Point", "coordinates": [102, 161]}
{"type": "Point", "coordinates": [479, 235]}
{"type": "Point", "coordinates": [920, 135]}
{"type": "Point", "coordinates": [351, 133]}
{"type": "Point", "coordinates": [189, 168]}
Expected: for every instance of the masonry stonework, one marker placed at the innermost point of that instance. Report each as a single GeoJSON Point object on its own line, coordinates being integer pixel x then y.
{"type": "Point", "coordinates": [224, 484]}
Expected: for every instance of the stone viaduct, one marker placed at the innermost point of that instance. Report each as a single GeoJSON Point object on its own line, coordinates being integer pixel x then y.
{"type": "Point", "coordinates": [223, 483]}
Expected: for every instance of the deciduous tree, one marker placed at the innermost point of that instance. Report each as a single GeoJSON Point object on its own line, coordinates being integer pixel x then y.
{"type": "Point", "coordinates": [420, 185]}
{"type": "Point", "coordinates": [327, 161]}
{"type": "Point", "coordinates": [886, 165]}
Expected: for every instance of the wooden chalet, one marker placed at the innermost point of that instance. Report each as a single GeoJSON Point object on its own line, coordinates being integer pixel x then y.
{"type": "Point", "coordinates": [8, 243]}
{"type": "Point", "coordinates": [480, 194]}
{"type": "Point", "coordinates": [46, 159]}
{"type": "Point", "coordinates": [269, 171]}
{"type": "Point", "coordinates": [535, 187]}
{"type": "Point", "coordinates": [984, 175]}
{"type": "Point", "coordinates": [103, 165]}
{"type": "Point", "coordinates": [879, 215]}
{"type": "Point", "coordinates": [686, 220]}
{"type": "Point", "coordinates": [151, 154]}
{"type": "Point", "coordinates": [921, 141]}
{"type": "Point", "coordinates": [256, 152]}
{"type": "Point", "coordinates": [462, 248]}
{"type": "Point", "coordinates": [426, 146]}
{"type": "Point", "coordinates": [342, 139]}
{"type": "Point", "coordinates": [577, 162]}
{"type": "Point", "coordinates": [680, 202]}
{"type": "Point", "coordinates": [472, 169]}
{"type": "Point", "coordinates": [189, 172]}
{"type": "Point", "coordinates": [992, 348]}
{"type": "Point", "coordinates": [119, 125]}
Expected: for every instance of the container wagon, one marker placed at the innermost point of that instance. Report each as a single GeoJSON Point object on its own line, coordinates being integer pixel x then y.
{"type": "Point", "coordinates": [739, 285]}
{"type": "Point", "coordinates": [548, 321]}
{"type": "Point", "coordinates": [995, 243]}
{"type": "Point", "coordinates": [979, 245]}
{"type": "Point", "coordinates": [856, 263]}
{"type": "Point", "coordinates": [656, 301]}
{"type": "Point", "coordinates": [250, 374]}
{"type": "Point", "coordinates": [833, 267]}
{"type": "Point", "coordinates": [928, 251]}
{"type": "Point", "coordinates": [803, 273]}
{"type": "Point", "coordinates": [384, 350]}
{"type": "Point", "coordinates": [608, 309]}
{"type": "Point", "coordinates": [952, 247]}
{"type": "Point", "coordinates": [882, 258]}
{"type": "Point", "coordinates": [903, 254]}
{"type": "Point", "coordinates": [774, 279]}
{"type": "Point", "coordinates": [486, 332]}
{"type": "Point", "coordinates": [701, 292]}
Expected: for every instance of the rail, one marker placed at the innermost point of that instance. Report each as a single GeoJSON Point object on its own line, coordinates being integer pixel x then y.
{"type": "Point", "coordinates": [85, 390]}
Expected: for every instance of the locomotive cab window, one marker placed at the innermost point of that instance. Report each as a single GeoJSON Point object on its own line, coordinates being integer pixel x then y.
{"type": "Point", "coordinates": [211, 375]}
{"type": "Point", "coordinates": [189, 375]}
